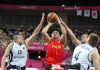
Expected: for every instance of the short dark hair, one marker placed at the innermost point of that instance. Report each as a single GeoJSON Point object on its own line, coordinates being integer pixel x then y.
{"type": "Point", "coordinates": [93, 39]}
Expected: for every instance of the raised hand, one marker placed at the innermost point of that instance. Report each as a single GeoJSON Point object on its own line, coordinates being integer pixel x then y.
{"type": "Point", "coordinates": [58, 19]}
{"type": "Point", "coordinates": [43, 17]}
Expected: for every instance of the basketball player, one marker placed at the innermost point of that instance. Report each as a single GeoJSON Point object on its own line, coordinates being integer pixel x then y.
{"type": "Point", "coordinates": [74, 40]}
{"type": "Point", "coordinates": [54, 48]}
{"type": "Point", "coordinates": [18, 50]}
{"type": "Point", "coordinates": [86, 54]}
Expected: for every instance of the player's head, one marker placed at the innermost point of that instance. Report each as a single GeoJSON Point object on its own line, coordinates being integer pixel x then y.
{"type": "Point", "coordinates": [84, 38]}
{"type": "Point", "coordinates": [19, 39]}
{"type": "Point", "coordinates": [55, 35]}
{"type": "Point", "coordinates": [93, 39]}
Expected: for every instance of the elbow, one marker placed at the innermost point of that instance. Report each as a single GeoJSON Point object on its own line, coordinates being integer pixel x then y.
{"type": "Point", "coordinates": [76, 43]}
{"type": "Point", "coordinates": [43, 32]}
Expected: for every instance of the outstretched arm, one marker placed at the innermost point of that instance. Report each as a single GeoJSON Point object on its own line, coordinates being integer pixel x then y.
{"type": "Point", "coordinates": [71, 34]}
{"type": "Point", "coordinates": [96, 59]}
{"type": "Point", "coordinates": [63, 30]}
{"type": "Point", "coordinates": [36, 31]}
{"type": "Point", "coordinates": [45, 30]}
{"type": "Point", "coordinates": [5, 56]}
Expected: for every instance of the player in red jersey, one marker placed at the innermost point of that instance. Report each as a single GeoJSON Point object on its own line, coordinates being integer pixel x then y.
{"type": "Point", "coordinates": [54, 48]}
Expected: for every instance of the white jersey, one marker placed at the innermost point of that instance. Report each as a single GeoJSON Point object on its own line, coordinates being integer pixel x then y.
{"type": "Point", "coordinates": [82, 55]}
{"type": "Point", "coordinates": [19, 55]}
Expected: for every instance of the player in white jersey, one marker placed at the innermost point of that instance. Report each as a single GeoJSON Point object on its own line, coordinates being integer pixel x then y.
{"type": "Point", "coordinates": [18, 50]}
{"type": "Point", "coordinates": [82, 55]}
{"type": "Point", "coordinates": [95, 56]}
{"type": "Point", "coordinates": [87, 54]}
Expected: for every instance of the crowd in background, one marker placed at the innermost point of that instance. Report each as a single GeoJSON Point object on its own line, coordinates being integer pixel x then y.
{"type": "Point", "coordinates": [5, 39]}
{"type": "Point", "coordinates": [6, 36]}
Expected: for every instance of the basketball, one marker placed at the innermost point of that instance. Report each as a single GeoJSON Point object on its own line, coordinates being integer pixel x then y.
{"type": "Point", "coordinates": [52, 17]}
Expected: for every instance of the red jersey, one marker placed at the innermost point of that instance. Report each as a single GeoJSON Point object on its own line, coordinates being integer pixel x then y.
{"type": "Point", "coordinates": [54, 51]}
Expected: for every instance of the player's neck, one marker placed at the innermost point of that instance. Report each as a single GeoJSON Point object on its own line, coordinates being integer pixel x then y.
{"type": "Point", "coordinates": [57, 39]}
{"type": "Point", "coordinates": [19, 43]}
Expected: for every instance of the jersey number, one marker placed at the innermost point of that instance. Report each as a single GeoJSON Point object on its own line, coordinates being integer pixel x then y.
{"type": "Point", "coordinates": [77, 55]}
{"type": "Point", "coordinates": [19, 51]}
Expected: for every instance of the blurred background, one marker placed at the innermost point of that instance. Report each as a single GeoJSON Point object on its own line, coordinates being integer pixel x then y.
{"type": "Point", "coordinates": [24, 19]}
{"type": "Point", "coordinates": [22, 16]}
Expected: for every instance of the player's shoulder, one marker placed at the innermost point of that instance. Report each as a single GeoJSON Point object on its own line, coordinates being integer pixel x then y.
{"type": "Point", "coordinates": [80, 45]}
{"type": "Point", "coordinates": [51, 40]}
{"type": "Point", "coordinates": [87, 47]}
{"type": "Point", "coordinates": [84, 46]}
